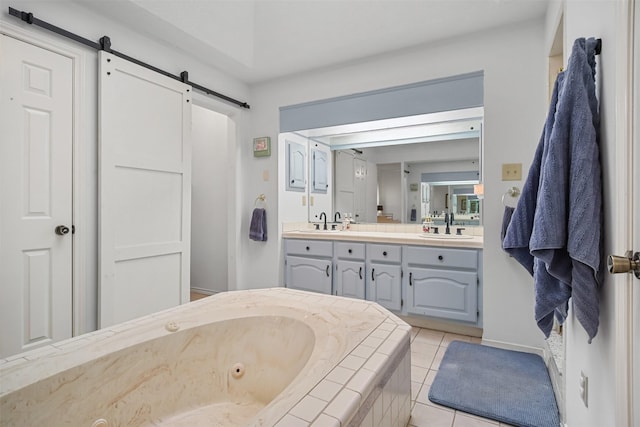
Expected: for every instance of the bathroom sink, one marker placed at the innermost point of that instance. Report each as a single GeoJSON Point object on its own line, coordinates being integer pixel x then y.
{"type": "Point", "coordinates": [325, 231]}
{"type": "Point", "coordinates": [446, 236]}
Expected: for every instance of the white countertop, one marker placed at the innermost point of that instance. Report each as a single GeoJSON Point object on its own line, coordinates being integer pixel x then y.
{"type": "Point", "coordinates": [453, 241]}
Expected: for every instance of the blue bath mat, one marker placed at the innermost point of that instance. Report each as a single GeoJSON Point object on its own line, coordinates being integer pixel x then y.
{"type": "Point", "coordinates": [508, 386]}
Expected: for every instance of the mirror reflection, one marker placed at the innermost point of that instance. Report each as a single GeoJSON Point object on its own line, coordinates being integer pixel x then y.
{"type": "Point", "coordinates": [405, 170]}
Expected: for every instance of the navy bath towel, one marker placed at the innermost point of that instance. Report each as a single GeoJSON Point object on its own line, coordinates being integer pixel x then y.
{"type": "Point", "coordinates": [556, 229]}
{"type": "Point", "coordinates": [258, 228]}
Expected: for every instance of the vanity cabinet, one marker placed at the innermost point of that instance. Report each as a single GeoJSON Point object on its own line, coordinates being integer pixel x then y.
{"type": "Point", "coordinates": [384, 275]}
{"type": "Point", "coordinates": [349, 260]}
{"type": "Point", "coordinates": [308, 265]}
{"type": "Point", "coordinates": [443, 283]}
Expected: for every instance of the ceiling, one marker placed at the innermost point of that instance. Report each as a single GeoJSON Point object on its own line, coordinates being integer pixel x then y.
{"type": "Point", "coordinates": [260, 40]}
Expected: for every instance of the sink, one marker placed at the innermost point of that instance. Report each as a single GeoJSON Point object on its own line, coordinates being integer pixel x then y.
{"type": "Point", "coordinates": [445, 236]}
{"type": "Point", "coordinates": [324, 231]}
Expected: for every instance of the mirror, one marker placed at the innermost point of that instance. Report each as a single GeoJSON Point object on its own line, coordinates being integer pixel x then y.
{"type": "Point", "coordinates": [391, 170]}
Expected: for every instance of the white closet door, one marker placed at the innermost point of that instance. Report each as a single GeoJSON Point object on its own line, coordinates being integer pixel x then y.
{"type": "Point", "coordinates": [36, 107]}
{"type": "Point", "coordinates": [145, 191]}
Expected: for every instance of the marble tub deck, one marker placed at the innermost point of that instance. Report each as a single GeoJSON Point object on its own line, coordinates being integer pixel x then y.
{"type": "Point", "coordinates": [360, 360]}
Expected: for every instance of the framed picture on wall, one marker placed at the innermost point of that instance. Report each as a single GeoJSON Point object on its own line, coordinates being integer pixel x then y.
{"type": "Point", "coordinates": [262, 147]}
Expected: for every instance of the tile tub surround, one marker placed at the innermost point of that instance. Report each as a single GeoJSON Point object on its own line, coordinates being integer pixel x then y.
{"type": "Point", "coordinates": [353, 368]}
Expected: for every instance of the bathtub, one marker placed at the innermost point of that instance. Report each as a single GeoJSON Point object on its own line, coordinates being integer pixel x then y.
{"type": "Point", "coordinates": [273, 357]}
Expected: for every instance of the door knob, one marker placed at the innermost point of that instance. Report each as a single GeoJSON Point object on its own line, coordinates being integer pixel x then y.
{"type": "Point", "coordinates": [61, 230]}
{"type": "Point", "coordinates": [629, 263]}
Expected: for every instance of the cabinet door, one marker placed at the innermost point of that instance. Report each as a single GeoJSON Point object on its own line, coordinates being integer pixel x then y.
{"type": "Point", "coordinates": [308, 274]}
{"type": "Point", "coordinates": [384, 285]}
{"type": "Point", "coordinates": [446, 294]}
{"type": "Point", "coordinates": [296, 156]}
{"type": "Point", "coordinates": [350, 279]}
{"type": "Point", "coordinates": [319, 171]}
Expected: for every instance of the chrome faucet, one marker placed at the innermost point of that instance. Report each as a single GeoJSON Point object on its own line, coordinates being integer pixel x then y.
{"type": "Point", "coordinates": [336, 216]}
{"type": "Point", "coordinates": [325, 220]}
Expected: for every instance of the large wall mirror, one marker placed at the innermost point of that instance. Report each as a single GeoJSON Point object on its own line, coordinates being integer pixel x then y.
{"type": "Point", "coordinates": [399, 170]}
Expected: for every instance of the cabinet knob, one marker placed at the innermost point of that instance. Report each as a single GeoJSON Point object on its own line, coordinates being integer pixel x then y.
{"type": "Point", "coordinates": [350, 251]}
{"type": "Point", "coordinates": [384, 253]}
{"type": "Point", "coordinates": [307, 247]}
{"type": "Point", "coordinates": [440, 257]}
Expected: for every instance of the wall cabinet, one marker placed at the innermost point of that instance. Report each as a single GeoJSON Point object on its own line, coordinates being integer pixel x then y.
{"type": "Point", "coordinates": [308, 265]}
{"type": "Point", "coordinates": [384, 278]}
{"type": "Point", "coordinates": [443, 283]}
{"type": "Point", "coordinates": [296, 171]}
{"type": "Point", "coordinates": [350, 269]}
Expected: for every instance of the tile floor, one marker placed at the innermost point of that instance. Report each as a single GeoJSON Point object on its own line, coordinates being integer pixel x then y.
{"type": "Point", "coordinates": [427, 348]}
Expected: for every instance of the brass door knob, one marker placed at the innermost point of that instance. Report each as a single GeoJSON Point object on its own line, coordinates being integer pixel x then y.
{"type": "Point", "coordinates": [629, 263]}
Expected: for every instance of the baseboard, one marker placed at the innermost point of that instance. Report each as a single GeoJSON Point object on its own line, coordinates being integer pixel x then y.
{"type": "Point", "coordinates": [204, 291]}
{"type": "Point", "coordinates": [515, 347]}
{"type": "Point", "coordinates": [444, 326]}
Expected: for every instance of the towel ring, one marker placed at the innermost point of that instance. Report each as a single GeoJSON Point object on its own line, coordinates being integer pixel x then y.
{"type": "Point", "coordinates": [512, 192]}
{"type": "Point", "coordinates": [261, 198]}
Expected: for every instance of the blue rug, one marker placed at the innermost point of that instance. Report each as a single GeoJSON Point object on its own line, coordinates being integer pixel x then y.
{"type": "Point", "coordinates": [508, 386]}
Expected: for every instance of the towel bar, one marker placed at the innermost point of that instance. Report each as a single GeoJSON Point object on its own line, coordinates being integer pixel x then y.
{"type": "Point", "coordinates": [261, 198]}
{"type": "Point", "coordinates": [512, 192]}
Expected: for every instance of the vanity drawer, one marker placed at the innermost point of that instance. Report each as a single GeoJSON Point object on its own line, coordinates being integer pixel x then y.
{"type": "Point", "coordinates": [320, 248]}
{"type": "Point", "coordinates": [442, 257]}
{"type": "Point", "coordinates": [349, 250]}
{"type": "Point", "coordinates": [384, 253]}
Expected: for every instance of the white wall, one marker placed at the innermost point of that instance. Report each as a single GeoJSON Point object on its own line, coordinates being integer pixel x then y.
{"type": "Point", "coordinates": [596, 360]}
{"type": "Point", "coordinates": [514, 64]}
{"type": "Point", "coordinates": [209, 195]}
{"type": "Point", "coordinates": [73, 17]}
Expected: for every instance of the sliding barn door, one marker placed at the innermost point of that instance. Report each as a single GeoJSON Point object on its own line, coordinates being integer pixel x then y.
{"type": "Point", "coordinates": [145, 191]}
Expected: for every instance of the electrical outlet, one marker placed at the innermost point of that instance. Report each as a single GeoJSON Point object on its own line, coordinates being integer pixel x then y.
{"type": "Point", "coordinates": [512, 171]}
{"type": "Point", "coordinates": [584, 388]}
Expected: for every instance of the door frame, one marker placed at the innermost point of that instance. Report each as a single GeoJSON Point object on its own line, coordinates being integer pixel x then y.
{"type": "Point", "coordinates": [236, 120]}
{"type": "Point", "coordinates": [79, 240]}
{"type": "Point", "coordinates": [623, 220]}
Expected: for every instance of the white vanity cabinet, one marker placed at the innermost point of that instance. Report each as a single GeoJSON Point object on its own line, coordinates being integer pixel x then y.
{"type": "Point", "coordinates": [309, 265]}
{"type": "Point", "coordinates": [443, 283]}
{"type": "Point", "coordinates": [384, 275]}
{"type": "Point", "coordinates": [349, 261]}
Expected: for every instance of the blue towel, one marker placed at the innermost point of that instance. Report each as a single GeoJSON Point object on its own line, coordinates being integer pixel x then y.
{"type": "Point", "coordinates": [258, 228]}
{"type": "Point", "coordinates": [556, 229]}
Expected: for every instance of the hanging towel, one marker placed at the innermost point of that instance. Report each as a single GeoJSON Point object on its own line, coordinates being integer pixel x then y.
{"type": "Point", "coordinates": [506, 219]}
{"type": "Point", "coordinates": [556, 229]}
{"type": "Point", "coordinates": [258, 228]}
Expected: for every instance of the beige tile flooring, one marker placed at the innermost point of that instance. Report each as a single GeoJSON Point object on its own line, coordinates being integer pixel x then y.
{"type": "Point", "coordinates": [427, 348]}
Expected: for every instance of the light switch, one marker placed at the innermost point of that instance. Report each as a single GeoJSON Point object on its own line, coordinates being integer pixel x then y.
{"type": "Point", "coordinates": [310, 200]}
{"type": "Point", "coordinates": [512, 171]}
{"type": "Point", "coordinates": [304, 200]}
{"type": "Point", "coordinates": [265, 175]}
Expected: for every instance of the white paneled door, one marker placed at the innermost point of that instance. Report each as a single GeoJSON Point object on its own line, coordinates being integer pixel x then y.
{"type": "Point", "coordinates": [35, 196]}
{"type": "Point", "coordinates": [145, 190]}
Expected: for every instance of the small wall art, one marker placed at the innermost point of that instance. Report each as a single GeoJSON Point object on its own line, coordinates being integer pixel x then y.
{"type": "Point", "coordinates": [262, 147]}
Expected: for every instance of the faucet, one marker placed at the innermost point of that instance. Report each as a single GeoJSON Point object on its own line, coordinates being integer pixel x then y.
{"type": "Point", "coordinates": [447, 222]}
{"type": "Point", "coordinates": [336, 216]}
{"type": "Point", "coordinates": [325, 220]}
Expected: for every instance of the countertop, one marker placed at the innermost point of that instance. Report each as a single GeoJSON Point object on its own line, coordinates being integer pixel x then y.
{"type": "Point", "coordinates": [452, 241]}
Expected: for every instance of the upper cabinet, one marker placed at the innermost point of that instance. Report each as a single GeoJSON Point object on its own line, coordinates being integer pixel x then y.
{"type": "Point", "coordinates": [296, 173]}
{"type": "Point", "coordinates": [319, 171]}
